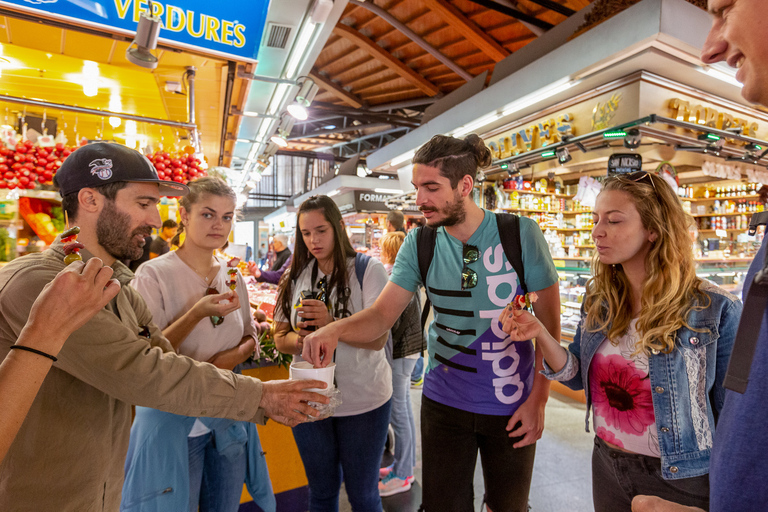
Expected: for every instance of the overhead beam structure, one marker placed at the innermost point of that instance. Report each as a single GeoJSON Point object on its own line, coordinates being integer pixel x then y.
{"type": "Point", "coordinates": [333, 88]}
{"type": "Point", "coordinates": [368, 45]}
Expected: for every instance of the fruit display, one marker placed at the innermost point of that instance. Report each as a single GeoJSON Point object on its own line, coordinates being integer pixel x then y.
{"type": "Point", "coordinates": [180, 167]}
{"type": "Point", "coordinates": [26, 166]}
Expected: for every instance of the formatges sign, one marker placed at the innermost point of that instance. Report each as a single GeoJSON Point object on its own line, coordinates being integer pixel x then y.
{"type": "Point", "coordinates": [362, 201]}
{"type": "Point", "coordinates": [223, 27]}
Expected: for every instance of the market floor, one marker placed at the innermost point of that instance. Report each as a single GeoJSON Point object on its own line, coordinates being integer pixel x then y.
{"type": "Point", "coordinates": [562, 480]}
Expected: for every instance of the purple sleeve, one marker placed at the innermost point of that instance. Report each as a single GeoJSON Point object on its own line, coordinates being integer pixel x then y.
{"type": "Point", "coordinates": [273, 276]}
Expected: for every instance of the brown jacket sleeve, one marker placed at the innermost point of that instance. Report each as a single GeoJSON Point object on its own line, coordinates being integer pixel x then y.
{"type": "Point", "coordinates": [108, 354]}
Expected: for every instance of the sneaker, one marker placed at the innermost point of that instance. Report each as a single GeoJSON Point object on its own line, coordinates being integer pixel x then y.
{"type": "Point", "coordinates": [383, 472]}
{"type": "Point", "coordinates": [417, 383]}
{"type": "Point", "coordinates": [392, 485]}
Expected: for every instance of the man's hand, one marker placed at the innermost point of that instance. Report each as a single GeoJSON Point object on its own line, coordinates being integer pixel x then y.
{"type": "Point", "coordinates": [74, 296]}
{"type": "Point", "coordinates": [656, 504]}
{"type": "Point", "coordinates": [313, 312]}
{"type": "Point", "coordinates": [285, 401]}
{"type": "Point", "coordinates": [530, 414]}
{"type": "Point", "coordinates": [319, 347]}
{"type": "Point", "coordinates": [220, 304]}
{"type": "Point", "coordinates": [253, 269]}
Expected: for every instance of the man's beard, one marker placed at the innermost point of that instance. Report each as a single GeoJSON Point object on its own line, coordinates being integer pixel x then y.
{"type": "Point", "coordinates": [455, 213]}
{"type": "Point", "coordinates": [114, 235]}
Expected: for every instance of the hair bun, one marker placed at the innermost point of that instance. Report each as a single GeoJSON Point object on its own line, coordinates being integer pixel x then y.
{"type": "Point", "coordinates": [480, 150]}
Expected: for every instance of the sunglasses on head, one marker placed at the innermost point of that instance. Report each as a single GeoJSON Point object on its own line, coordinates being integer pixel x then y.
{"type": "Point", "coordinates": [469, 254]}
{"type": "Point", "coordinates": [638, 176]}
{"type": "Point", "coordinates": [215, 320]}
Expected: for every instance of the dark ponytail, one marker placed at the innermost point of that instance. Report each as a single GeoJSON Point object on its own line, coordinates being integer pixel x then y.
{"type": "Point", "coordinates": [455, 158]}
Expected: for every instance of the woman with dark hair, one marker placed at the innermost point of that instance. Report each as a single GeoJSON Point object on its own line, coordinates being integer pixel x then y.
{"type": "Point", "coordinates": [188, 295]}
{"type": "Point", "coordinates": [651, 350]}
{"type": "Point", "coordinates": [349, 445]}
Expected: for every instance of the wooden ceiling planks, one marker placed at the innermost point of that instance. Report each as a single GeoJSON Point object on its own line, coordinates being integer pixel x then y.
{"type": "Point", "coordinates": [369, 61]}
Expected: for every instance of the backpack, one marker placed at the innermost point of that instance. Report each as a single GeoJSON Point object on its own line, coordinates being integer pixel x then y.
{"type": "Point", "coordinates": [509, 233]}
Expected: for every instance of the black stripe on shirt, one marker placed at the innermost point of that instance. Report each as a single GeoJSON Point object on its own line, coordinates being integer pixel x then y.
{"type": "Point", "coordinates": [458, 332]}
{"type": "Point", "coordinates": [454, 312]}
{"type": "Point", "coordinates": [450, 293]}
{"type": "Point", "coordinates": [457, 366]}
{"type": "Point", "coordinates": [460, 348]}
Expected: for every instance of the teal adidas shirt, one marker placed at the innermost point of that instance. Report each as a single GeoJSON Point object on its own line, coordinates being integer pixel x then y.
{"type": "Point", "coordinates": [473, 365]}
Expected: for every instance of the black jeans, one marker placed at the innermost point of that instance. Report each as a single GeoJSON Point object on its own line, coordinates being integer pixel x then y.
{"type": "Point", "coordinates": [451, 439]}
{"type": "Point", "coordinates": [617, 477]}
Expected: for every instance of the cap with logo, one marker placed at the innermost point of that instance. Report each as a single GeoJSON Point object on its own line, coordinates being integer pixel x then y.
{"type": "Point", "coordinates": [100, 163]}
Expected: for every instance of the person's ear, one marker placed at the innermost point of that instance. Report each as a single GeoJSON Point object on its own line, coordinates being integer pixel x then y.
{"type": "Point", "coordinates": [184, 215]}
{"type": "Point", "coordinates": [466, 184]}
{"type": "Point", "coordinates": [89, 200]}
{"type": "Point", "coordinates": [653, 238]}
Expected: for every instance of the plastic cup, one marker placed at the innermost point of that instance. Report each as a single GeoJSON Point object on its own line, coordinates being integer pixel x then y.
{"type": "Point", "coordinates": [302, 370]}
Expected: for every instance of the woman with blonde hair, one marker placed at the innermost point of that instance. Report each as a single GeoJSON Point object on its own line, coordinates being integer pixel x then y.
{"type": "Point", "coordinates": [408, 342]}
{"type": "Point", "coordinates": [650, 352]}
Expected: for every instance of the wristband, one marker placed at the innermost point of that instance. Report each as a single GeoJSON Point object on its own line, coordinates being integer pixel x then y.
{"type": "Point", "coordinates": [34, 351]}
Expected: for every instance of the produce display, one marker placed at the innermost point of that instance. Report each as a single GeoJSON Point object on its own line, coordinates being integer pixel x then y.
{"type": "Point", "coordinates": [25, 165]}
{"type": "Point", "coordinates": [179, 167]}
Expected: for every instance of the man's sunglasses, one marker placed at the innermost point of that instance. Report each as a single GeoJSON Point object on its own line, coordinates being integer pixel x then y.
{"type": "Point", "coordinates": [470, 254]}
{"type": "Point", "coordinates": [215, 320]}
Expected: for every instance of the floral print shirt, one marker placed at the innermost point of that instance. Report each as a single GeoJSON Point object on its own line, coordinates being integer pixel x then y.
{"type": "Point", "coordinates": [622, 402]}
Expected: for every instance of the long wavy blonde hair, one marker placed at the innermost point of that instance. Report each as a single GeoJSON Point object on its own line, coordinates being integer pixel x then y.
{"type": "Point", "coordinates": [671, 289]}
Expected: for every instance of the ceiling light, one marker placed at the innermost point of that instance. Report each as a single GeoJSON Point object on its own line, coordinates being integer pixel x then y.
{"type": "Point", "coordinates": [540, 95]}
{"type": "Point", "coordinates": [563, 156]}
{"type": "Point", "coordinates": [279, 139]}
{"type": "Point", "coordinates": [298, 111]}
{"type": "Point", "coordinates": [145, 40]}
{"type": "Point", "coordinates": [614, 134]}
{"type": "Point", "coordinates": [547, 154]}
{"type": "Point", "coordinates": [300, 46]}
{"type": "Point", "coordinates": [632, 139]}
{"type": "Point", "coordinates": [114, 122]}
{"type": "Point", "coordinates": [304, 97]}
{"type": "Point", "coordinates": [387, 190]}
{"type": "Point", "coordinates": [723, 73]}
{"type": "Point", "coordinates": [402, 158]}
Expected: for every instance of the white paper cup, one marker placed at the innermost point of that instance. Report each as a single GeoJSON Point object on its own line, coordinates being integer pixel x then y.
{"type": "Point", "coordinates": [302, 370]}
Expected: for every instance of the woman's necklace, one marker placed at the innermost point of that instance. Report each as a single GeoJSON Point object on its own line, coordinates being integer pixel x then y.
{"type": "Point", "coordinates": [207, 276]}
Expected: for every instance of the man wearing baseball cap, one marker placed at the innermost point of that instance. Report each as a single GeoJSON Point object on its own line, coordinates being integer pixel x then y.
{"type": "Point", "coordinates": [70, 450]}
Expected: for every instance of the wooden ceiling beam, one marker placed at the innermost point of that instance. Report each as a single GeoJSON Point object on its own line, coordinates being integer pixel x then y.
{"type": "Point", "coordinates": [344, 95]}
{"type": "Point", "coordinates": [459, 22]}
{"type": "Point", "coordinates": [382, 55]}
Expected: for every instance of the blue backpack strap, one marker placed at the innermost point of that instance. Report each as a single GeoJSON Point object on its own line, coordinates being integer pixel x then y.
{"type": "Point", "coordinates": [509, 233]}
{"type": "Point", "coordinates": [361, 263]}
{"type": "Point", "coordinates": [426, 238]}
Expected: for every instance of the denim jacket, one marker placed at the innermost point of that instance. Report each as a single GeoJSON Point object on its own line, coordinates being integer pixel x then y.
{"type": "Point", "coordinates": [686, 384]}
{"type": "Point", "coordinates": [157, 463]}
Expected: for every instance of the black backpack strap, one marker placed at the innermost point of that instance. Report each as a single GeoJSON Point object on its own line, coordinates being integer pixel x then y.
{"type": "Point", "coordinates": [426, 238]}
{"type": "Point", "coordinates": [361, 263]}
{"type": "Point", "coordinates": [509, 233]}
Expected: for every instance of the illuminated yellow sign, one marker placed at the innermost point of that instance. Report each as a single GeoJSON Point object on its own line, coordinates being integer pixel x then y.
{"type": "Point", "coordinates": [708, 116]}
{"type": "Point", "coordinates": [544, 133]}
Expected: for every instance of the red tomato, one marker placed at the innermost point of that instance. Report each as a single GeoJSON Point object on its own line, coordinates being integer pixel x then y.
{"type": "Point", "coordinates": [9, 175]}
{"type": "Point", "coordinates": [16, 166]}
{"type": "Point", "coordinates": [4, 168]}
{"type": "Point", "coordinates": [24, 181]}
{"type": "Point", "coordinates": [11, 186]}
{"type": "Point", "coordinates": [3, 184]}
{"type": "Point", "coordinates": [178, 179]}
{"type": "Point", "coordinates": [161, 175]}
{"type": "Point", "coordinates": [49, 166]}
{"type": "Point", "coordinates": [29, 166]}
{"type": "Point", "coordinates": [42, 153]}
{"type": "Point", "coordinates": [60, 146]}
{"type": "Point", "coordinates": [21, 148]}
{"type": "Point", "coordinates": [160, 166]}
{"type": "Point", "coordinates": [66, 153]}
{"type": "Point", "coordinates": [39, 169]}
{"type": "Point", "coordinates": [178, 172]}
{"type": "Point", "coordinates": [48, 175]}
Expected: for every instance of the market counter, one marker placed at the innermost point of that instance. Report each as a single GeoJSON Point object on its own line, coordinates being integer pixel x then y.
{"type": "Point", "coordinates": [286, 470]}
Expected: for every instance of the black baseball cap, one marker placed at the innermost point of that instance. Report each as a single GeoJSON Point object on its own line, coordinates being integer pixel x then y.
{"type": "Point", "coordinates": [100, 163]}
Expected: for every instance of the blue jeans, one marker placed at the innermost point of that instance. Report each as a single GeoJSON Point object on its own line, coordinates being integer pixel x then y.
{"type": "Point", "coordinates": [402, 417]}
{"type": "Point", "coordinates": [349, 449]}
{"type": "Point", "coordinates": [418, 370]}
{"type": "Point", "coordinates": [215, 481]}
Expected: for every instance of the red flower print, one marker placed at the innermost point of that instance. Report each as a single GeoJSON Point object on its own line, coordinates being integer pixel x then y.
{"type": "Point", "coordinates": [620, 394]}
{"type": "Point", "coordinates": [608, 436]}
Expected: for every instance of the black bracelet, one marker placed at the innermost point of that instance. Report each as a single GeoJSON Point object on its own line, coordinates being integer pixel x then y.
{"type": "Point", "coordinates": [34, 351]}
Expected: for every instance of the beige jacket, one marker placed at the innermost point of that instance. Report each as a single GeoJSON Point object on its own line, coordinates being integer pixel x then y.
{"type": "Point", "coordinates": [70, 451]}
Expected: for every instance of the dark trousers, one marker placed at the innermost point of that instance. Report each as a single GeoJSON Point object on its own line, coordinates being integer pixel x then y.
{"type": "Point", "coordinates": [451, 439]}
{"type": "Point", "coordinates": [618, 476]}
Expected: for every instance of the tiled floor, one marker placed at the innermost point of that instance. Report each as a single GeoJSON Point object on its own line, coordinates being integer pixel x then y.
{"type": "Point", "coordinates": [562, 479]}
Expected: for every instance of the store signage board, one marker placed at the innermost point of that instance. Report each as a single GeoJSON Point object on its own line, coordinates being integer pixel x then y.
{"type": "Point", "coordinates": [361, 201]}
{"type": "Point", "coordinates": [624, 163]}
{"type": "Point", "coordinates": [222, 28]}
